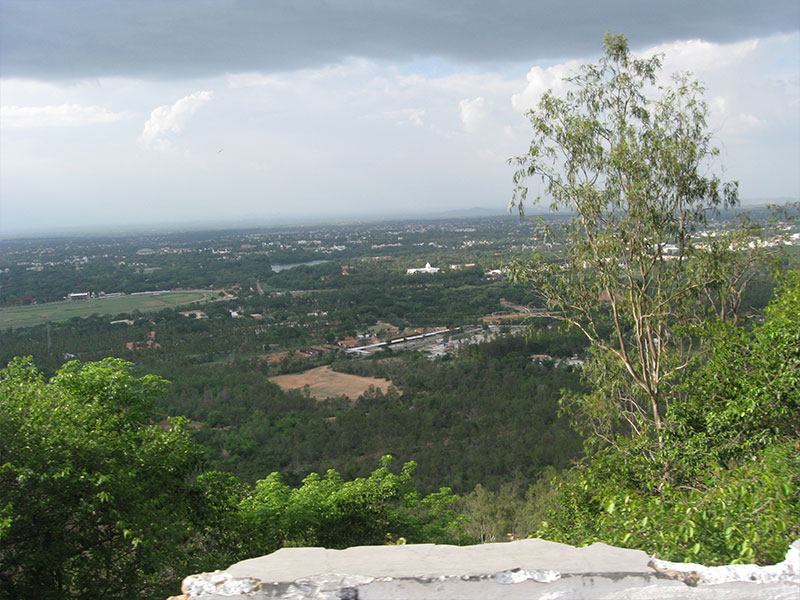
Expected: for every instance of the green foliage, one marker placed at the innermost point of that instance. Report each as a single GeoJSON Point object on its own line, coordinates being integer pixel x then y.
{"type": "Point", "coordinates": [491, 516]}
{"type": "Point", "coordinates": [725, 486]}
{"type": "Point", "coordinates": [94, 494]}
{"type": "Point", "coordinates": [732, 515]}
{"type": "Point", "coordinates": [331, 512]}
{"type": "Point", "coordinates": [100, 501]}
{"type": "Point", "coordinates": [224, 535]}
{"type": "Point", "coordinates": [747, 395]}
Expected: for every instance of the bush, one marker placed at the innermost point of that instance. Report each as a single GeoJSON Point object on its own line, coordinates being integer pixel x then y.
{"type": "Point", "coordinates": [725, 486]}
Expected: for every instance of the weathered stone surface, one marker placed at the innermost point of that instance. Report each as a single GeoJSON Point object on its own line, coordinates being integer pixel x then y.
{"type": "Point", "coordinates": [786, 571]}
{"type": "Point", "coordinates": [526, 569]}
{"type": "Point", "coordinates": [219, 583]}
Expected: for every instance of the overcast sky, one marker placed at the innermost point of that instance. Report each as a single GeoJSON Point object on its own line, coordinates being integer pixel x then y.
{"type": "Point", "coordinates": [121, 113]}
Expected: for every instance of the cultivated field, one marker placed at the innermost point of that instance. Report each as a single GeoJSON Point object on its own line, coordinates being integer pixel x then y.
{"type": "Point", "coordinates": [27, 316]}
{"type": "Point", "coordinates": [324, 383]}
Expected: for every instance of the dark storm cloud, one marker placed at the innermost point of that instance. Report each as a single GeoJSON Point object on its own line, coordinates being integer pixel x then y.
{"type": "Point", "coordinates": [166, 38]}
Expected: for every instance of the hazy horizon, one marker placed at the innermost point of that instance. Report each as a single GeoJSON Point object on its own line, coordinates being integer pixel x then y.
{"type": "Point", "coordinates": [267, 222]}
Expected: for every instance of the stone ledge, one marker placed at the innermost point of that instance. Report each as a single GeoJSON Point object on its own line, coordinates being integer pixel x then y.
{"type": "Point", "coordinates": [525, 569]}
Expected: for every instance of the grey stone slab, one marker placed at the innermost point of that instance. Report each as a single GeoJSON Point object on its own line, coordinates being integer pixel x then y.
{"type": "Point", "coordinates": [525, 569]}
{"type": "Point", "coordinates": [430, 560]}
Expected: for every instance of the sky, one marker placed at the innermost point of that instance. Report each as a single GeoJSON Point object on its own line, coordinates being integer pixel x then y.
{"type": "Point", "coordinates": [130, 113]}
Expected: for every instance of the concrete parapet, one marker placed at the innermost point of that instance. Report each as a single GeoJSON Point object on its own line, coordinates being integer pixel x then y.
{"type": "Point", "coordinates": [526, 569]}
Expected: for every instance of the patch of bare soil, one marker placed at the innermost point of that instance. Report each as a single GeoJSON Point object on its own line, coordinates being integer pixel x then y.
{"type": "Point", "coordinates": [324, 383]}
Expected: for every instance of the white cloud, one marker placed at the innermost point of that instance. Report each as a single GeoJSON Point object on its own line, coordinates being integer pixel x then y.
{"type": "Point", "coordinates": [750, 120]}
{"type": "Point", "coordinates": [540, 80]}
{"type": "Point", "coordinates": [63, 115]}
{"type": "Point", "coordinates": [471, 112]}
{"type": "Point", "coordinates": [719, 105]}
{"type": "Point", "coordinates": [171, 119]}
{"type": "Point", "coordinates": [698, 55]}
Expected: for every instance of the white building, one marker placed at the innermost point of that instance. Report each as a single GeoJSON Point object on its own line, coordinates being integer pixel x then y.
{"type": "Point", "coordinates": [426, 269]}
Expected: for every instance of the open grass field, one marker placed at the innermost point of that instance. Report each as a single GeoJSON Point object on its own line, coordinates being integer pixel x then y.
{"type": "Point", "coordinates": [27, 316]}
{"type": "Point", "coordinates": [324, 383]}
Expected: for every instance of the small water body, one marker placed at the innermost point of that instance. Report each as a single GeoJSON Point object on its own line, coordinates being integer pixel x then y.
{"type": "Point", "coordinates": [278, 268]}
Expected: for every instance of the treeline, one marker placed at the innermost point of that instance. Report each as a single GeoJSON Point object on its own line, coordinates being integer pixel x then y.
{"type": "Point", "coordinates": [197, 270]}
{"type": "Point", "coordinates": [355, 301]}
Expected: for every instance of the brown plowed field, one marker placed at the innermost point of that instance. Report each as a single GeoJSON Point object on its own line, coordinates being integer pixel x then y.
{"type": "Point", "coordinates": [324, 383]}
